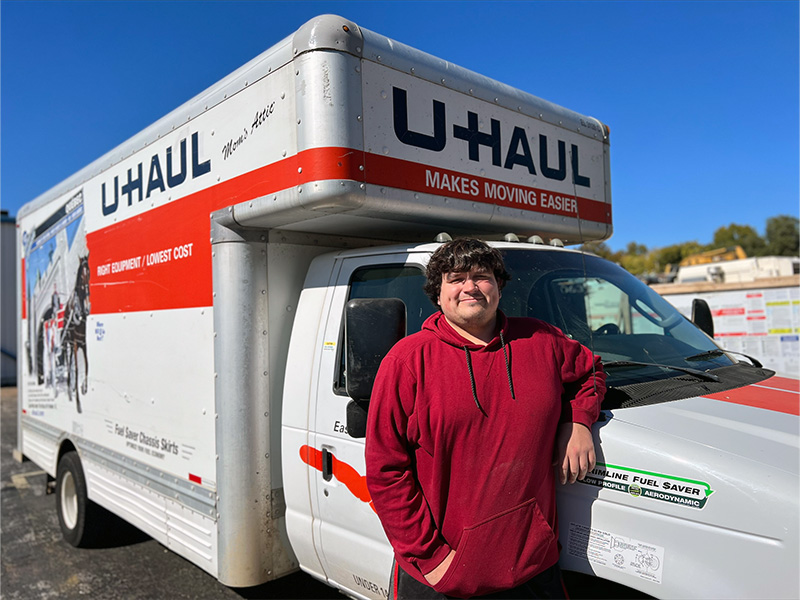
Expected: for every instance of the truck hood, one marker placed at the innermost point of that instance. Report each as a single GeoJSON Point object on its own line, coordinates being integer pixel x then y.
{"type": "Point", "coordinates": [757, 423]}
{"type": "Point", "coordinates": [710, 482]}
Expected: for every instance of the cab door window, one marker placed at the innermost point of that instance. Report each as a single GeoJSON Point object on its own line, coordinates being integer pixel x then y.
{"type": "Point", "coordinates": [388, 281]}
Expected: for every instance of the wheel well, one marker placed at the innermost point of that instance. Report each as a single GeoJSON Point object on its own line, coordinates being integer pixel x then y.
{"type": "Point", "coordinates": [66, 446]}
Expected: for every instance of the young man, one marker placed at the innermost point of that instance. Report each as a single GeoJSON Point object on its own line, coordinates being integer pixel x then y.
{"type": "Point", "coordinates": [465, 420]}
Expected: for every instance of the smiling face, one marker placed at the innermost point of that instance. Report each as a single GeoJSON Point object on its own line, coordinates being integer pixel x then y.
{"type": "Point", "coordinates": [469, 301]}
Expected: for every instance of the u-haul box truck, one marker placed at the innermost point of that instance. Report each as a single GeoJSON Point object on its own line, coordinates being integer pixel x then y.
{"type": "Point", "coordinates": [201, 309]}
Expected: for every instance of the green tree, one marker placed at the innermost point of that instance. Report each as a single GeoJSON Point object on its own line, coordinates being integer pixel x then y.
{"type": "Point", "coordinates": [635, 249]}
{"type": "Point", "coordinates": [783, 236]}
{"type": "Point", "coordinates": [602, 250]}
{"type": "Point", "coordinates": [740, 235]}
{"type": "Point", "coordinates": [782, 239]}
{"type": "Point", "coordinates": [637, 260]}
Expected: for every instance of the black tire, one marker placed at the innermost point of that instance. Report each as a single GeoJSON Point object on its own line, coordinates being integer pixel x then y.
{"type": "Point", "coordinates": [81, 520]}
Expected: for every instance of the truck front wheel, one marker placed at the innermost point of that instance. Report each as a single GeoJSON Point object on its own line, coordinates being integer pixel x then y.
{"type": "Point", "coordinates": [79, 518]}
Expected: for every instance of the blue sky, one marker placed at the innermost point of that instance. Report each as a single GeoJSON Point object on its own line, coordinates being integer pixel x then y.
{"type": "Point", "coordinates": [701, 97]}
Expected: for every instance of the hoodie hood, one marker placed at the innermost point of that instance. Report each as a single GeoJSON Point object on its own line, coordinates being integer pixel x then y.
{"type": "Point", "coordinates": [441, 328]}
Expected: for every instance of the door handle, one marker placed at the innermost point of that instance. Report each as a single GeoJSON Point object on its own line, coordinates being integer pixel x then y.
{"type": "Point", "coordinates": [327, 464]}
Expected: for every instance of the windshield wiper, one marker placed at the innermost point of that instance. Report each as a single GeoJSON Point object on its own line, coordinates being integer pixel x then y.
{"type": "Point", "coordinates": [633, 363]}
{"type": "Point", "coordinates": [714, 353]}
{"type": "Point", "coordinates": [705, 355]}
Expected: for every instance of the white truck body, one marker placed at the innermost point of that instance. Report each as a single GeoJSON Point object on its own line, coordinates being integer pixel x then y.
{"type": "Point", "coordinates": [182, 304]}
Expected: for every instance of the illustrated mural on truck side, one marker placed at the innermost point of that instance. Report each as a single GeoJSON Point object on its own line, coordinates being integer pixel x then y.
{"type": "Point", "coordinates": [56, 296]}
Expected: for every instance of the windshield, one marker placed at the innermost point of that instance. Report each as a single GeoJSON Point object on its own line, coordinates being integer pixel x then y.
{"type": "Point", "coordinates": [608, 310]}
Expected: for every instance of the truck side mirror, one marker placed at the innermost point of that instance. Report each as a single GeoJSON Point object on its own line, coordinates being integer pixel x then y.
{"type": "Point", "coordinates": [372, 327]}
{"type": "Point", "coordinates": [701, 316]}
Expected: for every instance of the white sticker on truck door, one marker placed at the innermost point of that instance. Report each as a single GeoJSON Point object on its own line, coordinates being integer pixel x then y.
{"type": "Point", "coordinates": [614, 551]}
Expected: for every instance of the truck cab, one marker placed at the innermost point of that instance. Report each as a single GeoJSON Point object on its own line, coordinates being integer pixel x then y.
{"type": "Point", "coordinates": [685, 432]}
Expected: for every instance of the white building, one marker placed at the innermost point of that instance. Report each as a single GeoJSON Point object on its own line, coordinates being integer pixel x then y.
{"type": "Point", "coordinates": [8, 298]}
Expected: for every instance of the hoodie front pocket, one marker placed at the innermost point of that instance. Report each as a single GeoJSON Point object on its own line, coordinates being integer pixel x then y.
{"type": "Point", "coordinates": [499, 553]}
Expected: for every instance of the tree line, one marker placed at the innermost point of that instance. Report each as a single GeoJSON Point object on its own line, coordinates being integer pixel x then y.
{"type": "Point", "coordinates": [782, 239]}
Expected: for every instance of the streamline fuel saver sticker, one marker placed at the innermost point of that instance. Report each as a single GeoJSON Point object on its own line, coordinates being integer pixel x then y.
{"type": "Point", "coordinates": [646, 484]}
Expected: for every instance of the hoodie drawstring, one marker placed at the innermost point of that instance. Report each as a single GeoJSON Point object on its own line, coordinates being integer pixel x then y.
{"type": "Point", "coordinates": [472, 382]}
{"type": "Point", "coordinates": [472, 375]}
{"type": "Point", "coordinates": [508, 366]}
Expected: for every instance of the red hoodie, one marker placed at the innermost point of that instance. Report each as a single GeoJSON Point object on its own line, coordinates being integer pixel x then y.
{"type": "Point", "coordinates": [459, 448]}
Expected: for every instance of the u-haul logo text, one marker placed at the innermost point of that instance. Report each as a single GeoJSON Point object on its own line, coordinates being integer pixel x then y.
{"type": "Point", "coordinates": [507, 154]}
{"type": "Point", "coordinates": [163, 172]}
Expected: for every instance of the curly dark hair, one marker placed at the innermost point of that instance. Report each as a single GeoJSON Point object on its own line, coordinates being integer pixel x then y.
{"type": "Point", "coordinates": [461, 255]}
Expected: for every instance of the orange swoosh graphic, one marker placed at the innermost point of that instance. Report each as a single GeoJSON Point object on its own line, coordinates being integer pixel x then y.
{"type": "Point", "coordinates": [353, 481]}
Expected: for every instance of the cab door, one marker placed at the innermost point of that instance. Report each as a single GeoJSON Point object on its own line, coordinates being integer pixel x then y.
{"type": "Point", "coordinates": [351, 543]}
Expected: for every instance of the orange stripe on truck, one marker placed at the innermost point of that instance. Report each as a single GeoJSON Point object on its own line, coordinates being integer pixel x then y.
{"type": "Point", "coordinates": [352, 479]}
{"type": "Point", "coordinates": [780, 394]}
{"type": "Point", "coordinates": [161, 259]}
